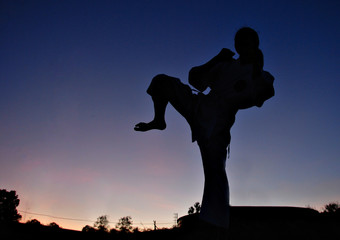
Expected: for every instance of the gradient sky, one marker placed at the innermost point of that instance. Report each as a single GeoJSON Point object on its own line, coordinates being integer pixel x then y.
{"type": "Point", "coordinates": [73, 76]}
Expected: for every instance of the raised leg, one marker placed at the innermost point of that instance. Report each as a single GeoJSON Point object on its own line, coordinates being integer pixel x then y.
{"type": "Point", "coordinates": [158, 121]}
{"type": "Point", "coordinates": [163, 90]}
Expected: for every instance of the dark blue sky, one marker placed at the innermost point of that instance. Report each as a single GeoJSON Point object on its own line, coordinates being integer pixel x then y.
{"type": "Point", "coordinates": [73, 76]}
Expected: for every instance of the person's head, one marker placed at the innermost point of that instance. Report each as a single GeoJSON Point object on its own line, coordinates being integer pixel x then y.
{"type": "Point", "coordinates": [246, 41]}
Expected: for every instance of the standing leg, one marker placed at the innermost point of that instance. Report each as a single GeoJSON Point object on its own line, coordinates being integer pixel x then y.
{"type": "Point", "coordinates": [215, 204]}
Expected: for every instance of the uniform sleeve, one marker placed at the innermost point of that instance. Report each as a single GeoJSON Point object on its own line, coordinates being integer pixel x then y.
{"type": "Point", "coordinates": [251, 92]}
{"type": "Point", "coordinates": [200, 77]}
{"type": "Point", "coordinates": [265, 88]}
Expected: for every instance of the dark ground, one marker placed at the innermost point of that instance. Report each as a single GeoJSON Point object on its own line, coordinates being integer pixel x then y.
{"type": "Point", "coordinates": [246, 223]}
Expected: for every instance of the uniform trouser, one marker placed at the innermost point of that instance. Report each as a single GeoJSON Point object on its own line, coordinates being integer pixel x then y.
{"type": "Point", "coordinates": [172, 90]}
{"type": "Point", "coordinates": [215, 203]}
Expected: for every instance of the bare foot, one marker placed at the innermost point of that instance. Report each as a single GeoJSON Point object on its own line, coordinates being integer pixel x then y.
{"type": "Point", "coordinates": [143, 127]}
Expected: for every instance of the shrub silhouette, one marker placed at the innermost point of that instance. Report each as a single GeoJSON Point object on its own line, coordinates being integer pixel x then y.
{"type": "Point", "coordinates": [34, 223]}
{"type": "Point", "coordinates": [53, 225]}
{"type": "Point", "coordinates": [88, 228]}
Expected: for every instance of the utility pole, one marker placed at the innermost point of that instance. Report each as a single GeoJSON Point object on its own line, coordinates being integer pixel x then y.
{"type": "Point", "coordinates": [175, 219]}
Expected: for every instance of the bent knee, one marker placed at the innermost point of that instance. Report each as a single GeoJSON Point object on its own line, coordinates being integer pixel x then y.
{"type": "Point", "coordinates": [163, 80]}
{"type": "Point", "coordinates": [160, 76]}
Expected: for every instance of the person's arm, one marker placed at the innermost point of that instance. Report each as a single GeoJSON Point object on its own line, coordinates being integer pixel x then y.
{"type": "Point", "coordinates": [243, 99]}
{"type": "Point", "coordinates": [253, 93]}
{"type": "Point", "coordinates": [265, 89]}
{"type": "Point", "coordinates": [200, 76]}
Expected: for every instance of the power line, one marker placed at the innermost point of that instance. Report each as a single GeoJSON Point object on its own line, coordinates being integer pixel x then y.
{"type": "Point", "coordinates": [46, 215]}
{"type": "Point", "coordinates": [77, 219]}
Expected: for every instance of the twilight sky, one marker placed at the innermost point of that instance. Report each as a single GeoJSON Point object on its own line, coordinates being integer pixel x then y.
{"type": "Point", "coordinates": [73, 76]}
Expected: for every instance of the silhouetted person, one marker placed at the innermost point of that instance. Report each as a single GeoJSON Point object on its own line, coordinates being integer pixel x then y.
{"type": "Point", "coordinates": [235, 84]}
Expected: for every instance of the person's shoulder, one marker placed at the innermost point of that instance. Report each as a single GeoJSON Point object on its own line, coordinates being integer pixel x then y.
{"type": "Point", "coordinates": [228, 54]}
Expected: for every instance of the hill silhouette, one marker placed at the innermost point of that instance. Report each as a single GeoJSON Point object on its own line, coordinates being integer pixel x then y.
{"type": "Point", "coordinates": [259, 214]}
{"type": "Point", "coordinates": [246, 223]}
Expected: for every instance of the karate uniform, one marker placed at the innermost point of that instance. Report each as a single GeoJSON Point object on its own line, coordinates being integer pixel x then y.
{"type": "Point", "coordinates": [211, 117]}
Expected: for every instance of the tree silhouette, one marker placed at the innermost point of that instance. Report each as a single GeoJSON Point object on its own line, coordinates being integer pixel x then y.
{"type": "Point", "coordinates": [332, 208]}
{"type": "Point", "coordinates": [125, 224]}
{"type": "Point", "coordinates": [195, 209]}
{"type": "Point", "coordinates": [191, 210]}
{"type": "Point", "coordinates": [8, 206]}
{"type": "Point", "coordinates": [102, 223]}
